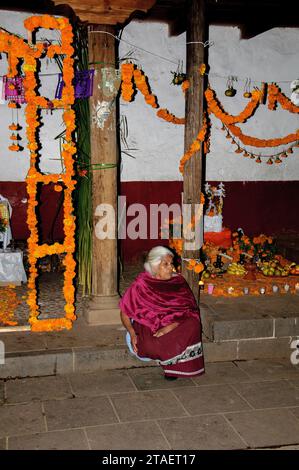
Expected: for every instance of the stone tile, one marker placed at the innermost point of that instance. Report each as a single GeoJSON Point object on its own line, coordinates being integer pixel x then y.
{"type": "Point", "coordinates": [294, 382]}
{"type": "Point", "coordinates": [221, 372]}
{"type": "Point", "coordinates": [136, 436]}
{"type": "Point", "coordinates": [92, 359]}
{"type": "Point", "coordinates": [282, 306]}
{"type": "Point", "coordinates": [286, 326]}
{"type": "Point", "coordinates": [147, 405]}
{"type": "Point", "coordinates": [210, 399]}
{"type": "Point", "coordinates": [295, 411]}
{"type": "Point", "coordinates": [37, 363]}
{"type": "Point", "coordinates": [38, 388]}
{"type": "Point", "coordinates": [73, 439]}
{"type": "Point", "coordinates": [263, 428]}
{"type": "Point", "coordinates": [268, 394]}
{"type": "Point", "coordinates": [264, 348]}
{"type": "Point", "coordinates": [21, 419]}
{"type": "Point", "coordinates": [23, 341]}
{"type": "Point", "coordinates": [2, 444]}
{"type": "Point", "coordinates": [269, 370]}
{"type": "Point", "coordinates": [152, 378]}
{"type": "Point", "coordinates": [234, 311]}
{"type": "Point", "coordinates": [287, 448]}
{"type": "Point", "coordinates": [206, 433]}
{"type": "Point", "coordinates": [78, 412]}
{"type": "Point", "coordinates": [220, 351]}
{"type": "Point", "coordinates": [1, 391]}
{"type": "Point", "coordinates": [243, 328]}
{"type": "Point", "coordinates": [84, 335]}
{"type": "Point", "coordinates": [95, 383]}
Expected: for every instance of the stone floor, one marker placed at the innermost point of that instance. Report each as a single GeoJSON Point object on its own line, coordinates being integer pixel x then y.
{"type": "Point", "coordinates": [235, 405]}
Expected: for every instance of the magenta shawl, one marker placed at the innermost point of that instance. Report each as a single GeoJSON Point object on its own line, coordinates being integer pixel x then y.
{"type": "Point", "coordinates": [156, 303]}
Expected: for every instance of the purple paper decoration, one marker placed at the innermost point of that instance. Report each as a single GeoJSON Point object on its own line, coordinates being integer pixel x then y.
{"type": "Point", "coordinates": [83, 83]}
{"type": "Point", "coordinates": [17, 93]}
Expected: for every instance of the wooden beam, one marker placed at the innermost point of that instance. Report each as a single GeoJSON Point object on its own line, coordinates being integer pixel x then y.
{"type": "Point", "coordinates": [103, 308]}
{"type": "Point", "coordinates": [196, 28]}
{"type": "Point", "coordinates": [106, 11]}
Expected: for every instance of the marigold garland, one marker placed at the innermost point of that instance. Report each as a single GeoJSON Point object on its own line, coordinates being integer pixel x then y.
{"type": "Point", "coordinates": [195, 146]}
{"type": "Point", "coordinates": [275, 95]}
{"type": "Point", "coordinates": [215, 107]}
{"type": "Point", "coordinates": [127, 89]}
{"type": "Point", "coordinates": [256, 142]}
{"type": "Point", "coordinates": [167, 116]}
{"type": "Point", "coordinates": [18, 49]}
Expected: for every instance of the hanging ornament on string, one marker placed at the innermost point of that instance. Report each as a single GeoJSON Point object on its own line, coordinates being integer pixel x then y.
{"type": "Point", "coordinates": [179, 76]}
{"type": "Point", "coordinates": [230, 90]}
{"type": "Point", "coordinates": [247, 92]}
{"type": "Point", "coordinates": [15, 127]}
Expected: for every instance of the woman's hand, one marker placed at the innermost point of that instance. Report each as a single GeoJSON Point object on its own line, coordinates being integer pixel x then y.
{"type": "Point", "coordinates": [165, 329]}
{"type": "Point", "coordinates": [133, 337]}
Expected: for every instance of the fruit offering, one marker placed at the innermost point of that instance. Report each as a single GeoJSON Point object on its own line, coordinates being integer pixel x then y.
{"type": "Point", "coordinates": [274, 268]}
{"type": "Point", "coordinates": [294, 269]}
{"type": "Point", "coordinates": [237, 269]}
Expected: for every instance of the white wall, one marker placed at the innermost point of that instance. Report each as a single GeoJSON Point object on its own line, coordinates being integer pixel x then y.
{"type": "Point", "coordinates": [14, 165]}
{"type": "Point", "coordinates": [271, 56]}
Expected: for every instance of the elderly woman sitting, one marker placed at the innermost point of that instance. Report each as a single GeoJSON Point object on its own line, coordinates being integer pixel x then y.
{"type": "Point", "coordinates": [161, 315]}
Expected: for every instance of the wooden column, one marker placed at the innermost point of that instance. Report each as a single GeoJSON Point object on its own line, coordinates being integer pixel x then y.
{"type": "Point", "coordinates": [194, 114]}
{"type": "Point", "coordinates": [103, 308]}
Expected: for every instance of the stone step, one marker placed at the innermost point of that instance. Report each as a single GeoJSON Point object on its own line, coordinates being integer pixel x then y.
{"type": "Point", "coordinates": [91, 348]}
{"type": "Point", "coordinates": [250, 318]}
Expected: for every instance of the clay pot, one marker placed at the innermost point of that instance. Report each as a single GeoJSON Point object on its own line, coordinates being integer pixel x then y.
{"type": "Point", "coordinates": [250, 268]}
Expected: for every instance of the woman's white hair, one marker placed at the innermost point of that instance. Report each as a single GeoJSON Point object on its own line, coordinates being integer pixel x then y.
{"type": "Point", "coordinates": [154, 258]}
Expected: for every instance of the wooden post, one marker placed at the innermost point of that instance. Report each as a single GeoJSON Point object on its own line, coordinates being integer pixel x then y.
{"type": "Point", "coordinates": [103, 308]}
{"type": "Point", "coordinates": [194, 114]}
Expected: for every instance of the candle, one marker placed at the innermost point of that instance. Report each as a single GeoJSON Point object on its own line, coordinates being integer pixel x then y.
{"type": "Point", "coordinates": [286, 287]}
{"type": "Point", "coordinates": [262, 290]}
{"type": "Point", "coordinates": [210, 288]}
{"type": "Point", "coordinates": [246, 290]}
{"type": "Point", "coordinates": [275, 289]}
{"type": "Point", "coordinates": [230, 290]}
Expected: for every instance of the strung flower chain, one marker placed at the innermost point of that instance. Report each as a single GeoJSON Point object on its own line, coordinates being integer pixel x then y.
{"type": "Point", "coordinates": [17, 49]}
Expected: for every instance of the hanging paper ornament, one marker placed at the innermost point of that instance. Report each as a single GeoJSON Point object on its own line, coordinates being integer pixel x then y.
{"type": "Point", "coordinates": [283, 155]}
{"type": "Point", "coordinates": [258, 160]}
{"type": "Point", "coordinates": [111, 80]}
{"type": "Point", "coordinates": [270, 161]}
{"type": "Point", "coordinates": [14, 89]}
{"type": "Point", "coordinates": [83, 83]}
{"type": "Point", "coordinates": [252, 156]}
{"type": "Point", "coordinates": [238, 150]}
{"type": "Point", "coordinates": [277, 160]}
{"type": "Point", "coordinates": [245, 154]}
{"type": "Point", "coordinates": [295, 92]}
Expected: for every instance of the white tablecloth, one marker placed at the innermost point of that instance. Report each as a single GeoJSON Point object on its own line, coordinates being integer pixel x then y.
{"type": "Point", "coordinates": [11, 267]}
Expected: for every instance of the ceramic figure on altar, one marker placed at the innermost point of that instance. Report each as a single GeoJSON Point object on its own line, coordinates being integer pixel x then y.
{"type": "Point", "coordinates": [213, 213]}
{"type": "Point", "coordinates": [5, 215]}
